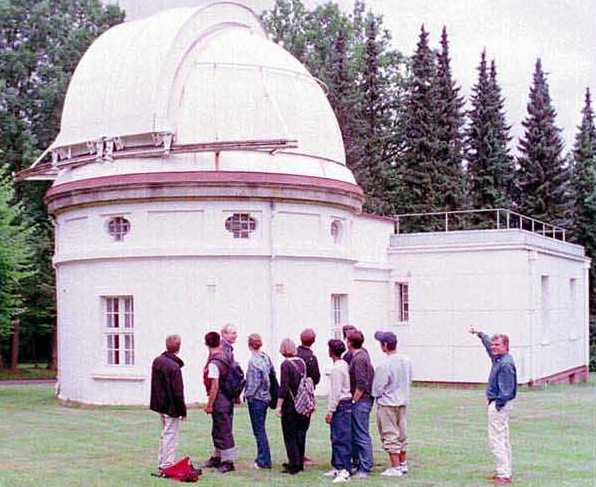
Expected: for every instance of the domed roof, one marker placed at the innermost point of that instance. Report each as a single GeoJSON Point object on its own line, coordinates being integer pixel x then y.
{"type": "Point", "coordinates": [204, 75]}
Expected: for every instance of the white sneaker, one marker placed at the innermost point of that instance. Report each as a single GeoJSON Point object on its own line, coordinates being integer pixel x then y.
{"type": "Point", "coordinates": [332, 473]}
{"type": "Point", "coordinates": [404, 467]}
{"type": "Point", "coordinates": [342, 476]}
{"type": "Point", "coordinates": [392, 472]}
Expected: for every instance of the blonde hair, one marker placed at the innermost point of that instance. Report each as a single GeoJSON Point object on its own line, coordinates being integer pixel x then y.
{"type": "Point", "coordinates": [287, 347]}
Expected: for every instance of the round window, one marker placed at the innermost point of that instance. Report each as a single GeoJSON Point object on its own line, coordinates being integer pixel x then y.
{"type": "Point", "coordinates": [118, 227]}
{"type": "Point", "coordinates": [241, 225]}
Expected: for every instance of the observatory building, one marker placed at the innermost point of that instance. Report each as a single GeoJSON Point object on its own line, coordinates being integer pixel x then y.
{"type": "Point", "coordinates": [200, 179]}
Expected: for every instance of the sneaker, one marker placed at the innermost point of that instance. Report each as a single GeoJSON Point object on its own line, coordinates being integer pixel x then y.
{"type": "Point", "coordinates": [226, 467]}
{"type": "Point", "coordinates": [332, 473]}
{"type": "Point", "coordinates": [342, 476]}
{"type": "Point", "coordinates": [256, 466]}
{"type": "Point", "coordinates": [360, 475]}
{"type": "Point", "coordinates": [404, 467]}
{"type": "Point", "coordinates": [502, 480]}
{"type": "Point", "coordinates": [213, 462]}
{"type": "Point", "coordinates": [392, 472]}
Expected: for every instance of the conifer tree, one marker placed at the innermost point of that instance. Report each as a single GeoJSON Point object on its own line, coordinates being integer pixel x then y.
{"type": "Point", "coordinates": [449, 105]}
{"type": "Point", "coordinates": [583, 183]}
{"type": "Point", "coordinates": [421, 138]}
{"type": "Point", "coordinates": [490, 165]}
{"type": "Point", "coordinates": [542, 176]}
{"type": "Point", "coordinates": [583, 180]}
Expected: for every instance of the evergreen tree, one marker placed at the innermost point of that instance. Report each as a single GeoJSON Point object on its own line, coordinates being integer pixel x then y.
{"type": "Point", "coordinates": [490, 165]}
{"type": "Point", "coordinates": [542, 176]}
{"type": "Point", "coordinates": [583, 183]}
{"type": "Point", "coordinates": [421, 138]}
{"type": "Point", "coordinates": [583, 180]}
{"type": "Point", "coordinates": [449, 104]}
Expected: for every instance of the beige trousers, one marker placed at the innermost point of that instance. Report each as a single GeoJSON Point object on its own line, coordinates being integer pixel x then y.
{"type": "Point", "coordinates": [393, 427]}
{"type": "Point", "coordinates": [498, 438]}
{"type": "Point", "coordinates": [168, 440]}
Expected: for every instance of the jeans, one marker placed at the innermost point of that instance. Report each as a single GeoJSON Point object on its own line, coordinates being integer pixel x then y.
{"type": "Point", "coordinates": [341, 436]}
{"type": "Point", "coordinates": [361, 441]}
{"type": "Point", "coordinates": [258, 414]}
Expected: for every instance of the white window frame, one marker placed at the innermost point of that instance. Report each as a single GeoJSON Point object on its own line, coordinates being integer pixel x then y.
{"type": "Point", "coordinates": [402, 301]}
{"type": "Point", "coordinates": [339, 313]}
{"type": "Point", "coordinates": [118, 330]}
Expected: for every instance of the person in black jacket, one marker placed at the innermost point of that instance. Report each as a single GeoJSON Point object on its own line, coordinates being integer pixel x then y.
{"type": "Point", "coordinates": [307, 339]}
{"type": "Point", "coordinates": [293, 425]}
{"type": "Point", "coordinates": [167, 399]}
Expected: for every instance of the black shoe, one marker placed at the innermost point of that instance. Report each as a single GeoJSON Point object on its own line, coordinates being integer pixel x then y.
{"type": "Point", "coordinates": [213, 462]}
{"type": "Point", "coordinates": [226, 467]}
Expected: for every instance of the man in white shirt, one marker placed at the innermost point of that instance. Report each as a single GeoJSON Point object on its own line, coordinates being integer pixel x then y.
{"type": "Point", "coordinates": [391, 388]}
{"type": "Point", "coordinates": [339, 414]}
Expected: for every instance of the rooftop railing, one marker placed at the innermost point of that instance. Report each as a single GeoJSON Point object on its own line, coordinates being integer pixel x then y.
{"type": "Point", "coordinates": [486, 219]}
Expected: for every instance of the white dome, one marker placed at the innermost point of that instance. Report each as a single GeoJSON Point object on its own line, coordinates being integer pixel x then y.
{"type": "Point", "coordinates": [206, 74]}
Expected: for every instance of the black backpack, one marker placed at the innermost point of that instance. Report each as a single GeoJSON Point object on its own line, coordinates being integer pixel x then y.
{"type": "Point", "coordinates": [233, 383]}
{"type": "Point", "coordinates": [273, 388]}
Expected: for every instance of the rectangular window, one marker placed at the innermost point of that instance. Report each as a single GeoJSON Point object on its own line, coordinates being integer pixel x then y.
{"type": "Point", "coordinates": [339, 313]}
{"type": "Point", "coordinates": [545, 307]}
{"type": "Point", "coordinates": [119, 330]}
{"type": "Point", "coordinates": [402, 300]}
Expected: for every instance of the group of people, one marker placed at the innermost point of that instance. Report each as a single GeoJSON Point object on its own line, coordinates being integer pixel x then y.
{"type": "Point", "coordinates": [354, 386]}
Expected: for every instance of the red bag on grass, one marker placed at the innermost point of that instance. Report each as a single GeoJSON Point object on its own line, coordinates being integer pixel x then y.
{"type": "Point", "coordinates": [182, 471]}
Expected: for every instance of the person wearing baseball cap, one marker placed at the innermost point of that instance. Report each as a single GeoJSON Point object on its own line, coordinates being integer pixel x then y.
{"type": "Point", "coordinates": [391, 389]}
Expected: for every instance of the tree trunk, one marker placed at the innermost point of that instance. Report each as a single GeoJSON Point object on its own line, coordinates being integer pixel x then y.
{"type": "Point", "coordinates": [14, 352]}
{"type": "Point", "coordinates": [53, 363]}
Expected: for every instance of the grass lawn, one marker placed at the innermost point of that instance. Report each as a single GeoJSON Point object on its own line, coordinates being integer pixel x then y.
{"type": "Point", "coordinates": [553, 436]}
{"type": "Point", "coordinates": [28, 371]}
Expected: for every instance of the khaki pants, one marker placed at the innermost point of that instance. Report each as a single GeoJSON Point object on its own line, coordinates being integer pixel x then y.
{"type": "Point", "coordinates": [168, 440]}
{"type": "Point", "coordinates": [498, 438]}
{"type": "Point", "coordinates": [393, 427]}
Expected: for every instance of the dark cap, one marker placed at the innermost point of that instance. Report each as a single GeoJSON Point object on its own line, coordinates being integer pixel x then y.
{"type": "Point", "coordinates": [387, 337]}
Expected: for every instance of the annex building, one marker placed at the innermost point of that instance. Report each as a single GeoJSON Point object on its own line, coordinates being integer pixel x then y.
{"type": "Point", "coordinates": [200, 178]}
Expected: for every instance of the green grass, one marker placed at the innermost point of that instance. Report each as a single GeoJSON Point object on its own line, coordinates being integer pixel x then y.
{"type": "Point", "coordinates": [45, 444]}
{"type": "Point", "coordinates": [27, 372]}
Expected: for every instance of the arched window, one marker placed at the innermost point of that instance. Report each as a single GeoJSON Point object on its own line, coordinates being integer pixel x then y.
{"type": "Point", "coordinates": [241, 225]}
{"type": "Point", "coordinates": [336, 231]}
{"type": "Point", "coordinates": [118, 227]}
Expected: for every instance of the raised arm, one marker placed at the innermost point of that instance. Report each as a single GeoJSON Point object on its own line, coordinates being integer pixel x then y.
{"type": "Point", "coordinates": [485, 340]}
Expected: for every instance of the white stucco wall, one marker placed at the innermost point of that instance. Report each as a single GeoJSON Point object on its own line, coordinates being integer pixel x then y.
{"type": "Point", "coordinates": [491, 280]}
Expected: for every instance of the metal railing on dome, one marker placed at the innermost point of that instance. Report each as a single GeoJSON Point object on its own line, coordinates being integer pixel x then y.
{"type": "Point", "coordinates": [485, 219]}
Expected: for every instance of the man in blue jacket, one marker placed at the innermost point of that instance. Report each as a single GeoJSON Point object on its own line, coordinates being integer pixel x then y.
{"type": "Point", "coordinates": [500, 391]}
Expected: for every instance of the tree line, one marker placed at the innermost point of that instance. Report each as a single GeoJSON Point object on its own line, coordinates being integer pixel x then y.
{"type": "Point", "coordinates": [410, 139]}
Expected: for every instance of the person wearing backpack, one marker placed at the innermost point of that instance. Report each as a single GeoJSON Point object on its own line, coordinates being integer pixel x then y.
{"type": "Point", "coordinates": [294, 424]}
{"type": "Point", "coordinates": [219, 405]}
{"type": "Point", "coordinates": [307, 339]}
{"type": "Point", "coordinates": [167, 399]}
{"type": "Point", "coordinates": [258, 397]}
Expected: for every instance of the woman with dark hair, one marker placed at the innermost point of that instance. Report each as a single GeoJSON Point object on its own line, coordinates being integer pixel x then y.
{"type": "Point", "coordinates": [293, 425]}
